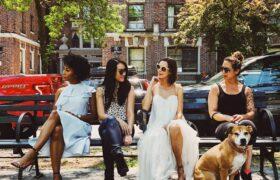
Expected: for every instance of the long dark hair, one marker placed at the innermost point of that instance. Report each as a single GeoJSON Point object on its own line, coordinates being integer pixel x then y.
{"type": "Point", "coordinates": [109, 83]}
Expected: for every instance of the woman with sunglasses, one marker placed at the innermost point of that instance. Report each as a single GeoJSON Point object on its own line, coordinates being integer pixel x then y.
{"type": "Point", "coordinates": [230, 102]}
{"type": "Point", "coordinates": [67, 130]}
{"type": "Point", "coordinates": [168, 142]}
{"type": "Point", "coordinates": [115, 108]}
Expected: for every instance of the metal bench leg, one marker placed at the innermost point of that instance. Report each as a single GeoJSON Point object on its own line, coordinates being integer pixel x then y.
{"type": "Point", "coordinates": [269, 155]}
{"type": "Point", "coordinates": [262, 162]}
{"type": "Point", "coordinates": [20, 174]}
{"type": "Point", "coordinates": [38, 174]}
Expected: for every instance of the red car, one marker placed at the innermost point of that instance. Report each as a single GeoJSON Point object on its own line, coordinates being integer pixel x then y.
{"type": "Point", "coordinates": [19, 85]}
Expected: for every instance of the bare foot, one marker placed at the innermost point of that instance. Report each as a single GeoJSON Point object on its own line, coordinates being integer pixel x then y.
{"type": "Point", "coordinates": [26, 160]}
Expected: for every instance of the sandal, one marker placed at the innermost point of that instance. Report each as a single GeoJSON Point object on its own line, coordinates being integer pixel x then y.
{"type": "Point", "coordinates": [31, 161]}
{"type": "Point", "coordinates": [57, 174]}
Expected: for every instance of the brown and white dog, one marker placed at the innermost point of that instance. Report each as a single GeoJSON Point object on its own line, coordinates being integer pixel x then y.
{"type": "Point", "coordinates": [226, 158]}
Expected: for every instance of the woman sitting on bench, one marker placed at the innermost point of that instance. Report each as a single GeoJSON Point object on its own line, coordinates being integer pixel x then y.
{"type": "Point", "coordinates": [67, 130]}
{"type": "Point", "coordinates": [168, 134]}
{"type": "Point", "coordinates": [115, 106]}
{"type": "Point", "coordinates": [232, 102]}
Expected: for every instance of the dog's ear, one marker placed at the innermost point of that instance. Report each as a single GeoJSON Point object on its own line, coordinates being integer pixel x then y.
{"type": "Point", "coordinates": [229, 130]}
{"type": "Point", "coordinates": [250, 129]}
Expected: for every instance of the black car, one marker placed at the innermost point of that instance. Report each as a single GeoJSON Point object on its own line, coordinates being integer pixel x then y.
{"type": "Point", "coordinates": [261, 73]}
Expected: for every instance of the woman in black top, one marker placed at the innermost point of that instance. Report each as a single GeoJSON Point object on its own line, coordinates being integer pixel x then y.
{"type": "Point", "coordinates": [230, 102]}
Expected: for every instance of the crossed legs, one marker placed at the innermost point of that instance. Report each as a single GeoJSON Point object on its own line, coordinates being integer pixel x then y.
{"type": "Point", "coordinates": [51, 129]}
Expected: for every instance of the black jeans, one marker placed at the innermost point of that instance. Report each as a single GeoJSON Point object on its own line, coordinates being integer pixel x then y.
{"type": "Point", "coordinates": [112, 139]}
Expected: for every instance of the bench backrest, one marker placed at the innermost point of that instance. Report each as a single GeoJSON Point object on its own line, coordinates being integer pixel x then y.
{"type": "Point", "coordinates": [38, 105]}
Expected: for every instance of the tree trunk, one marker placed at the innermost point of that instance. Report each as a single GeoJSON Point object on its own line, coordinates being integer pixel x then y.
{"type": "Point", "coordinates": [44, 37]}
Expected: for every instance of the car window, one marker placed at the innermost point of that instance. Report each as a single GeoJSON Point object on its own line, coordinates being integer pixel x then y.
{"type": "Point", "coordinates": [250, 77]}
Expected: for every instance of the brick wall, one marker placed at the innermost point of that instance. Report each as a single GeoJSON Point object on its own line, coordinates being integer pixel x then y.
{"type": "Point", "coordinates": [11, 24]}
{"type": "Point", "coordinates": [155, 11]}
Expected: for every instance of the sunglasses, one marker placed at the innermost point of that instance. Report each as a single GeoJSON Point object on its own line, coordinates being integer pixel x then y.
{"type": "Point", "coordinates": [225, 69]}
{"type": "Point", "coordinates": [163, 69]}
{"type": "Point", "coordinates": [122, 71]}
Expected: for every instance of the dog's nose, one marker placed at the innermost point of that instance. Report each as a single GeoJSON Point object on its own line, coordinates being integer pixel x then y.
{"type": "Point", "coordinates": [243, 142]}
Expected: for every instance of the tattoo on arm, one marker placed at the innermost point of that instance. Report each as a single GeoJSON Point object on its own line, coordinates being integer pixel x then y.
{"type": "Point", "coordinates": [250, 101]}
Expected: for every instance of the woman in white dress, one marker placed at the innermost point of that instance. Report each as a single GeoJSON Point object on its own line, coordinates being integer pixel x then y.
{"type": "Point", "coordinates": [168, 142]}
{"type": "Point", "coordinates": [67, 130]}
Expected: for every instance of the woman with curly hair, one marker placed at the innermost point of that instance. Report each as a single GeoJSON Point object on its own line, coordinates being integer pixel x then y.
{"type": "Point", "coordinates": [67, 130]}
{"type": "Point", "coordinates": [115, 108]}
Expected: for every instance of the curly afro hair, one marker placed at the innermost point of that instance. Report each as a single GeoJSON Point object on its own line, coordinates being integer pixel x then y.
{"type": "Point", "coordinates": [79, 65]}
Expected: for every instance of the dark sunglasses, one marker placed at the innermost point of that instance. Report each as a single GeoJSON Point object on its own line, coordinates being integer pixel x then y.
{"type": "Point", "coordinates": [163, 69]}
{"type": "Point", "coordinates": [122, 71]}
{"type": "Point", "coordinates": [225, 69]}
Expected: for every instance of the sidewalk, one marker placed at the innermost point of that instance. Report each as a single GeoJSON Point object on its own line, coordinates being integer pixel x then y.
{"type": "Point", "coordinates": [86, 173]}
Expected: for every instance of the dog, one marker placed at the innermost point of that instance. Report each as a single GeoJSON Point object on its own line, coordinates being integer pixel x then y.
{"type": "Point", "coordinates": [226, 158]}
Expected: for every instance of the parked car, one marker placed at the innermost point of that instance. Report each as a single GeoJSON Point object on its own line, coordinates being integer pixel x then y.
{"type": "Point", "coordinates": [261, 73]}
{"type": "Point", "coordinates": [19, 85]}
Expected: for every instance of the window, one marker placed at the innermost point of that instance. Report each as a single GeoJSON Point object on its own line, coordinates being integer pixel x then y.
{"type": "Point", "coordinates": [136, 16]}
{"type": "Point", "coordinates": [31, 23]}
{"type": "Point", "coordinates": [172, 12]}
{"type": "Point", "coordinates": [23, 23]}
{"type": "Point", "coordinates": [31, 64]}
{"type": "Point", "coordinates": [264, 72]}
{"type": "Point", "coordinates": [22, 61]}
{"type": "Point", "coordinates": [186, 58]}
{"type": "Point", "coordinates": [86, 41]}
{"type": "Point", "coordinates": [136, 59]}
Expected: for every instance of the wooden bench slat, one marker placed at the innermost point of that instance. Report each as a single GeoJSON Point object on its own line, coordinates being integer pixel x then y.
{"type": "Point", "coordinates": [28, 98]}
{"type": "Point", "coordinates": [46, 107]}
{"type": "Point", "coordinates": [196, 117]}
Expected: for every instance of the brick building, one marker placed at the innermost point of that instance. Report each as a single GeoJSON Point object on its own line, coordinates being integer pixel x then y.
{"type": "Point", "coordinates": [19, 47]}
{"type": "Point", "coordinates": [148, 37]}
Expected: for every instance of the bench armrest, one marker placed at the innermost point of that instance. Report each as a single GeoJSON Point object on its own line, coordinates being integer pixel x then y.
{"type": "Point", "coordinates": [265, 114]}
{"type": "Point", "coordinates": [20, 119]}
{"type": "Point", "coordinates": [142, 119]}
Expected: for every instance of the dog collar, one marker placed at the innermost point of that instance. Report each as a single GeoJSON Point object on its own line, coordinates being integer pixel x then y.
{"type": "Point", "coordinates": [233, 145]}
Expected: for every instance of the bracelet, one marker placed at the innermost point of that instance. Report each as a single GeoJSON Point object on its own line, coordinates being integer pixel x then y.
{"type": "Point", "coordinates": [212, 117]}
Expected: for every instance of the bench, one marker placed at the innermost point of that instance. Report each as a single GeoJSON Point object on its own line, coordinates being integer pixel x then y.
{"type": "Point", "coordinates": [196, 113]}
{"type": "Point", "coordinates": [29, 112]}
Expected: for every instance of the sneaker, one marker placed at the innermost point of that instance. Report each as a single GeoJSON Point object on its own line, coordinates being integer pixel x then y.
{"type": "Point", "coordinates": [246, 176]}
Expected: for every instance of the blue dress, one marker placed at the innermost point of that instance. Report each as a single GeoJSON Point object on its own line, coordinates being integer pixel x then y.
{"type": "Point", "coordinates": [76, 133]}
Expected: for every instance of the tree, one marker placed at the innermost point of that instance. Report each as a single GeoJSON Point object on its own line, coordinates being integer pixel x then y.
{"type": "Point", "coordinates": [96, 17]}
{"type": "Point", "coordinates": [242, 25]}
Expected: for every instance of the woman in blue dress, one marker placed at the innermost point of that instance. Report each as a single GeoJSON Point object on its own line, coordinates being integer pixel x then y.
{"type": "Point", "coordinates": [67, 130]}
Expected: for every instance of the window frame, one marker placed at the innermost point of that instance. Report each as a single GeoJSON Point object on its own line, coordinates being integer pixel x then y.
{"type": "Point", "coordinates": [175, 23]}
{"type": "Point", "coordinates": [197, 60]}
{"type": "Point", "coordinates": [128, 16]}
{"type": "Point", "coordinates": [144, 63]}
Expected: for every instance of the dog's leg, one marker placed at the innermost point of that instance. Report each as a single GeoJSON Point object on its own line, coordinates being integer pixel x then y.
{"type": "Point", "coordinates": [223, 174]}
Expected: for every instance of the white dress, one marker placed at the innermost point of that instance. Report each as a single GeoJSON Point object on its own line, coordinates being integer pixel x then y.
{"type": "Point", "coordinates": [156, 158]}
{"type": "Point", "coordinates": [76, 133]}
